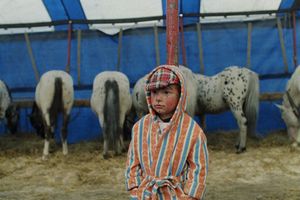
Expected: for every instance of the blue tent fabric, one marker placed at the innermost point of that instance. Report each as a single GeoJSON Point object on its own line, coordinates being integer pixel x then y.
{"type": "Point", "coordinates": [75, 11]}
{"type": "Point", "coordinates": [223, 45]}
{"type": "Point", "coordinates": [57, 12]}
{"type": "Point", "coordinates": [285, 4]}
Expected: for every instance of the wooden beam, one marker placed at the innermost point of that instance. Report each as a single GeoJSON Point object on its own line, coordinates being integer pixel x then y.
{"type": "Point", "coordinates": [68, 65]}
{"type": "Point", "coordinates": [27, 103]}
{"type": "Point", "coordinates": [294, 40]}
{"type": "Point", "coordinates": [157, 56]}
{"type": "Point", "coordinates": [281, 39]}
{"type": "Point", "coordinates": [199, 34]}
{"type": "Point", "coordinates": [249, 46]}
{"type": "Point", "coordinates": [119, 49]}
{"type": "Point", "coordinates": [78, 55]}
{"type": "Point", "coordinates": [271, 96]}
{"type": "Point", "coordinates": [28, 44]}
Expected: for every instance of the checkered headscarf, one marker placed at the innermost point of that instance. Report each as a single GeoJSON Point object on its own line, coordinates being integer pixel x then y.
{"type": "Point", "coordinates": [162, 78]}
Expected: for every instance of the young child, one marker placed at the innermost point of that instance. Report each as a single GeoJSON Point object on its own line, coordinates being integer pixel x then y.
{"type": "Point", "coordinates": [167, 157]}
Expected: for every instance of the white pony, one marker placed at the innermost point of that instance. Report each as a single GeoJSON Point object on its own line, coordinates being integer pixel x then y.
{"type": "Point", "coordinates": [54, 94]}
{"type": "Point", "coordinates": [9, 112]}
{"type": "Point", "coordinates": [236, 89]}
{"type": "Point", "coordinates": [111, 101]}
{"type": "Point", "coordinates": [139, 97]}
{"type": "Point", "coordinates": [290, 108]}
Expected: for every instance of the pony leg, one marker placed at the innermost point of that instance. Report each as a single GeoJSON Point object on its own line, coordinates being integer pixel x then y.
{"type": "Point", "coordinates": [241, 121]}
{"type": "Point", "coordinates": [47, 136]}
{"type": "Point", "coordinates": [105, 138]}
{"type": "Point", "coordinates": [203, 121]}
{"type": "Point", "coordinates": [64, 134]}
{"type": "Point", "coordinates": [105, 146]}
{"type": "Point", "coordinates": [105, 143]}
{"type": "Point", "coordinates": [119, 144]}
{"type": "Point", "coordinates": [123, 148]}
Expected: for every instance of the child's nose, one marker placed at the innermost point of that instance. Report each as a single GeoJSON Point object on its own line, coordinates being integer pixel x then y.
{"type": "Point", "coordinates": [158, 97]}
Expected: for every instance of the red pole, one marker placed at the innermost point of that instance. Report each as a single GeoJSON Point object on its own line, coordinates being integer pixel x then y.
{"type": "Point", "coordinates": [172, 32]}
{"type": "Point", "coordinates": [294, 39]}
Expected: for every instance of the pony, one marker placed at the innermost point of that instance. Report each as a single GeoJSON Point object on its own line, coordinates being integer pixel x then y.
{"type": "Point", "coordinates": [54, 94]}
{"type": "Point", "coordinates": [9, 111]}
{"type": "Point", "coordinates": [235, 89]}
{"type": "Point", "coordinates": [139, 96]}
{"type": "Point", "coordinates": [290, 108]}
{"type": "Point", "coordinates": [111, 102]}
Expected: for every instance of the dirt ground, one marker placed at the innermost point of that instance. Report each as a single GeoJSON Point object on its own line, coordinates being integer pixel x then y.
{"type": "Point", "coordinates": [269, 169]}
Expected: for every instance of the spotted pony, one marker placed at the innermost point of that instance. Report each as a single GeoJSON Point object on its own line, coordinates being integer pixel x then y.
{"type": "Point", "coordinates": [235, 89]}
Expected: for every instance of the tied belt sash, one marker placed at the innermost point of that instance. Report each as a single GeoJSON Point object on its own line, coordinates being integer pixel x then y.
{"type": "Point", "coordinates": [152, 185]}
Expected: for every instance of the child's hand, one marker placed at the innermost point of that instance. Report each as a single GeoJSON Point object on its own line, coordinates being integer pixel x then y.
{"type": "Point", "coordinates": [191, 198]}
{"type": "Point", "coordinates": [187, 197]}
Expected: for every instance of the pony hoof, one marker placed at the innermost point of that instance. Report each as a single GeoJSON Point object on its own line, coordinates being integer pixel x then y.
{"type": "Point", "coordinates": [45, 157]}
{"type": "Point", "coordinates": [124, 150]}
{"type": "Point", "coordinates": [241, 150]}
{"type": "Point", "coordinates": [237, 146]}
{"type": "Point", "coordinates": [295, 144]}
{"type": "Point", "coordinates": [65, 152]}
{"type": "Point", "coordinates": [117, 153]}
{"type": "Point", "coordinates": [105, 156]}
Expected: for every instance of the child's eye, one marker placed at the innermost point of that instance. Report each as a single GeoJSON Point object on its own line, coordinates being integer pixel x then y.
{"type": "Point", "coordinates": [166, 92]}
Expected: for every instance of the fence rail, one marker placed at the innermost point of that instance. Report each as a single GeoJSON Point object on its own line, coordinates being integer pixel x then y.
{"type": "Point", "coordinates": [27, 103]}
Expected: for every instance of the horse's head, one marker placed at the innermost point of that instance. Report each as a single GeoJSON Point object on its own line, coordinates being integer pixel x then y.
{"type": "Point", "coordinates": [36, 120]}
{"type": "Point", "coordinates": [12, 115]}
{"type": "Point", "coordinates": [3, 105]}
{"type": "Point", "coordinates": [292, 122]}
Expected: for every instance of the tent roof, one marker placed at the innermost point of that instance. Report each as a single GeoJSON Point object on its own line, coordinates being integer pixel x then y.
{"type": "Point", "coordinates": [48, 15]}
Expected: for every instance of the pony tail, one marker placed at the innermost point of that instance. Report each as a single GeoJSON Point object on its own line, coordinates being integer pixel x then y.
{"type": "Point", "coordinates": [112, 111]}
{"type": "Point", "coordinates": [57, 104]}
{"type": "Point", "coordinates": [251, 106]}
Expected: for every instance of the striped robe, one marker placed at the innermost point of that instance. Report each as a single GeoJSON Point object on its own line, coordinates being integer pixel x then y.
{"type": "Point", "coordinates": [171, 164]}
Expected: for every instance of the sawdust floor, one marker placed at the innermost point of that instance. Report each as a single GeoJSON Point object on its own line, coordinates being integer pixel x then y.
{"type": "Point", "coordinates": [269, 169]}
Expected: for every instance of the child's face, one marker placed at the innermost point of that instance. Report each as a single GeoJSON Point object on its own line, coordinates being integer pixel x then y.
{"type": "Point", "coordinates": [164, 101]}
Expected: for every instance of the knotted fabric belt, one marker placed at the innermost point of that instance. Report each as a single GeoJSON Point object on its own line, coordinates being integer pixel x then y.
{"type": "Point", "coordinates": [154, 183]}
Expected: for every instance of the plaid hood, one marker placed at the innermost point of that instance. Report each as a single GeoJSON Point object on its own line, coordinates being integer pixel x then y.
{"type": "Point", "coordinates": [161, 77]}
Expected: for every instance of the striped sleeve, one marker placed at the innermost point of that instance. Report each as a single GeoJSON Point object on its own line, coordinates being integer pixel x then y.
{"type": "Point", "coordinates": [133, 173]}
{"type": "Point", "coordinates": [198, 166]}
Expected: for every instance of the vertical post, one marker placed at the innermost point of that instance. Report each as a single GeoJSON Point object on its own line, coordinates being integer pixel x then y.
{"type": "Point", "coordinates": [279, 26]}
{"type": "Point", "coordinates": [199, 33]}
{"type": "Point", "coordinates": [78, 54]}
{"type": "Point", "coordinates": [183, 52]}
{"type": "Point", "coordinates": [69, 47]}
{"type": "Point", "coordinates": [294, 39]}
{"type": "Point", "coordinates": [172, 32]}
{"type": "Point", "coordinates": [119, 49]}
{"type": "Point", "coordinates": [156, 45]}
{"type": "Point", "coordinates": [28, 44]}
{"type": "Point", "coordinates": [249, 45]}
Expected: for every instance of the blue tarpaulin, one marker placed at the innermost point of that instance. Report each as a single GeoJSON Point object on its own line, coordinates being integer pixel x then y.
{"type": "Point", "coordinates": [225, 42]}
